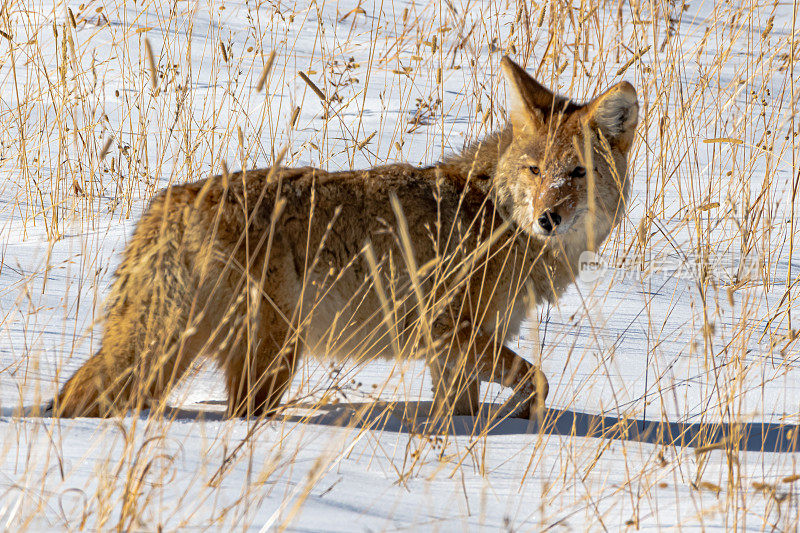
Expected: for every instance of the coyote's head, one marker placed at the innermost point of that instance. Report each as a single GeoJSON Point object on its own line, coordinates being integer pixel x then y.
{"type": "Point", "coordinates": [563, 172]}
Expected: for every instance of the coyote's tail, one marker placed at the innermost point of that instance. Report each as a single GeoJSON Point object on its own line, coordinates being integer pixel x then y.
{"type": "Point", "coordinates": [92, 391]}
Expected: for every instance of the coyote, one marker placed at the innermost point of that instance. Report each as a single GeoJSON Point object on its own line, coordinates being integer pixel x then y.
{"type": "Point", "coordinates": [256, 268]}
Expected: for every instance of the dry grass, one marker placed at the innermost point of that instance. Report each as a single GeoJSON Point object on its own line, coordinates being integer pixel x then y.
{"type": "Point", "coordinates": [97, 117]}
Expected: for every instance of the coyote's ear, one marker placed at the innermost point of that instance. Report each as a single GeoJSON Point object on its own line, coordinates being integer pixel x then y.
{"type": "Point", "coordinates": [616, 113]}
{"type": "Point", "coordinates": [529, 103]}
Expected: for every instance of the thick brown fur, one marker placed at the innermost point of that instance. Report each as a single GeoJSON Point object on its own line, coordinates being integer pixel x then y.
{"type": "Point", "coordinates": [256, 268]}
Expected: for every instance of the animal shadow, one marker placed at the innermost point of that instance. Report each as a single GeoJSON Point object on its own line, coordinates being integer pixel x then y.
{"type": "Point", "coordinates": [418, 417]}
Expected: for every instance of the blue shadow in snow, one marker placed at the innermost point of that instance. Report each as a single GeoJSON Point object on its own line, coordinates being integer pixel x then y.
{"type": "Point", "coordinates": [416, 417]}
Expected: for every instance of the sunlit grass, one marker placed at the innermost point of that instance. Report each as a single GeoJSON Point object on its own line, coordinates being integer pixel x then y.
{"type": "Point", "coordinates": [105, 104]}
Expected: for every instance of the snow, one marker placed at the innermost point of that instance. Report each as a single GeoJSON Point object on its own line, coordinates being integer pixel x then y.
{"type": "Point", "coordinates": [649, 367]}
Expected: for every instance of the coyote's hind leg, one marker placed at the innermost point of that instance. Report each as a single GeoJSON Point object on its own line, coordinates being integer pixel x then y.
{"type": "Point", "coordinates": [256, 378]}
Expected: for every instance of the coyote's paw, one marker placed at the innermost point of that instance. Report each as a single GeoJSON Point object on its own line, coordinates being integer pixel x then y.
{"type": "Point", "coordinates": [528, 400]}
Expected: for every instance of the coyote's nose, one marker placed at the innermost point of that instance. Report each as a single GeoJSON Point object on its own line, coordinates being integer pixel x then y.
{"type": "Point", "coordinates": [549, 220]}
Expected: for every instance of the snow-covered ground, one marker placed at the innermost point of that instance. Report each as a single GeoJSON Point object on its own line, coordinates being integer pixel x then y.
{"type": "Point", "coordinates": [674, 390]}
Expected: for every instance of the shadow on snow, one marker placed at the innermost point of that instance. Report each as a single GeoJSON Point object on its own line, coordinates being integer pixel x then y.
{"type": "Point", "coordinates": [417, 417]}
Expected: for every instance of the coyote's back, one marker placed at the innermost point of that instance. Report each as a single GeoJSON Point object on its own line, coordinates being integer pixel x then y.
{"type": "Point", "coordinates": [254, 269]}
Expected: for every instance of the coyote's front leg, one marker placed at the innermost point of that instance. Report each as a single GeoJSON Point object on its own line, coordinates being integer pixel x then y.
{"type": "Point", "coordinates": [469, 358]}
{"type": "Point", "coordinates": [456, 387]}
{"type": "Point", "coordinates": [499, 364]}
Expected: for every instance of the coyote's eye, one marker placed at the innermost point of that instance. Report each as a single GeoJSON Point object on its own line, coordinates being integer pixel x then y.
{"type": "Point", "coordinates": [534, 170]}
{"type": "Point", "coordinates": [578, 172]}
